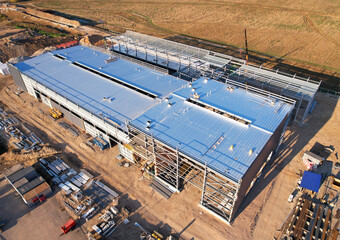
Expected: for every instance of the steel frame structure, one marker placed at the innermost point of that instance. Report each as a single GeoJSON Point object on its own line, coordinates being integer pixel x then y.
{"type": "Point", "coordinates": [195, 62]}
{"type": "Point", "coordinates": [176, 168]}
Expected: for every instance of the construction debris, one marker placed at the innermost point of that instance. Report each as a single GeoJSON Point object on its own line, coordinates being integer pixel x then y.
{"type": "Point", "coordinates": [308, 220]}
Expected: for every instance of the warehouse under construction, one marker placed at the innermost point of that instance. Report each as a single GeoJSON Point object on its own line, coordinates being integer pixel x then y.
{"type": "Point", "coordinates": [189, 115]}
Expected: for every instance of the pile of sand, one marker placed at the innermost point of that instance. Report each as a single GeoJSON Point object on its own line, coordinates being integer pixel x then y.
{"type": "Point", "coordinates": [92, 39]}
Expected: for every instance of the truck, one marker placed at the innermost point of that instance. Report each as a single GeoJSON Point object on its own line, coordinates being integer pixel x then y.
{"type": "Point", "coordinates": [68, 226]}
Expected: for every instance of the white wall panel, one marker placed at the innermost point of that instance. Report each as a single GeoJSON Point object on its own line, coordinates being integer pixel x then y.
{"type": "Point", "coordinates": [110, 129]}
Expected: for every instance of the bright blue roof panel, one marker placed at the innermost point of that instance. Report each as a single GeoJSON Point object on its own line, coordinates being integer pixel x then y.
{"type": "Point", "coordinates": [145, 78]}
{"type": "Point", "coordinates": [207, 136]}
{"type": "Point", "coordinates": [263, 112]}
{"type": "Point", "coordinates": [88, 89]}
{"type": "Point", "coordinates": [311, 181]}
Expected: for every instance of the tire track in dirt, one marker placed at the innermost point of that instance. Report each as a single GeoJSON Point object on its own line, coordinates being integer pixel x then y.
{"type": "Point", "coordinates": [257, 216]}
{"type": "Point", "coordinates": [208, 3]}
{"type": "Point", "coordinates": [313, 27]}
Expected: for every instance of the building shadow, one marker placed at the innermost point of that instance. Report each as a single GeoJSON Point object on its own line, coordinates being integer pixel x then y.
{"type": "Point", "coordinates": [12, 206]}
{"type": "Point", "coordinates": [82, 20]}
{"type": "Point", "coordinates": [131, 232]}
{"type": "Point", "coordinates": [295, 141]}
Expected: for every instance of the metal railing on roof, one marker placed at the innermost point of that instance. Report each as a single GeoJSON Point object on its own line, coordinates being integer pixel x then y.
{"type": "Point", "coordinates": [259, 91]}
{"type": "Point", "coordinates": [183, 50]}
{"type": "Point", "coordinates": [126, 58]}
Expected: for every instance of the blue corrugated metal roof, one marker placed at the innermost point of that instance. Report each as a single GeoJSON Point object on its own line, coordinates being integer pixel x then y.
{"type": "Point", "coordinates": [311, 181]}
{"type": "Point", "coordinates": [263, 112]}
{"type": "Point", "coordinates": [159, 83]}
{"type": "Point", "coordinates": [88, 89]}
{"type": "Point", "coordinates": [195, 130]}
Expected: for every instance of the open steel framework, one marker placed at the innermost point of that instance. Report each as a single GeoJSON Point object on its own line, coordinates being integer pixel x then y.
{"type": "Point", "coordinates": [191, 63]}
{"type": "Point", "coordinates": [175, 168]}
{"type": "Point", "coordinates": [220, 193]}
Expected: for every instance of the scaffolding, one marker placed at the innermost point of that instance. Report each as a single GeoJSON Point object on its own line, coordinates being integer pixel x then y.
{"type": "Point", "coordinates": [190, 63]}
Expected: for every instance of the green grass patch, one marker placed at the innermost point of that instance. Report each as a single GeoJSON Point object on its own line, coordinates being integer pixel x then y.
{"type": "Point", "coordinates": [326, 21]}
{"type": "Point", "coordinates": [289, 26]}
{"type": "Point", "coordinates": [44, 30]}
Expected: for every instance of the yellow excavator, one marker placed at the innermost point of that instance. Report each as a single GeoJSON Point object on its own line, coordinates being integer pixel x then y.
{"type": "Point", "coordinates": [55, 113]}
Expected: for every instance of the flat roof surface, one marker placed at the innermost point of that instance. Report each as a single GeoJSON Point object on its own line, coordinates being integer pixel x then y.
{"type": "Point", "coordinates": [30, 185]}
{"type": "Point", "coordinates": [88, 89]}
{"type": "Point", "coordinates": [20, 182]}
{"type": "Point", "coordinates": [12, 170]}
{"type": "Point", "coordinates": [263, 112]}
{"type": "Point", "coordinates": [35, 192]}
{"type": "Point", "coordinates": [311, 181]}
{"type": "Point", "coordinates": [208, 136]}
{"type": "Point", "coordinates": [29, 171]}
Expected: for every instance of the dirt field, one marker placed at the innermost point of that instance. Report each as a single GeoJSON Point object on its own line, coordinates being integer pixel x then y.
{"type": "Point", "coordinates": [266, 207]}
{"type": "Point", "coordinates": [262, 213]}
{"type": "Point", "coordinates": [58, 23]}
{"type": "Point", "coordinates": [308, 31]}
{"type": "Point", "coordinates": [40, 222]}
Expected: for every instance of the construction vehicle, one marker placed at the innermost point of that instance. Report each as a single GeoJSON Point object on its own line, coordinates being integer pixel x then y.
{"type": "Point", "coordinates": [146, 235]}
{"type": "Point", "coordinates": [68, 226]}
{"type": "Point", "coordinates": [55, 113]}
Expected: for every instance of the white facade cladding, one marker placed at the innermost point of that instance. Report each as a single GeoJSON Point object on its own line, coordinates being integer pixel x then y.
{"type": "Point", "coordinates": [46, 100]}
{"type": "Point", "coordinates": [126, 152]}
{"type": "Point", "coordinates": [29, 84]}
{"type": "Point", "coordinates": [95, 132]}
{"type": "Point", "coordinates": [33, 85]}
{"type": "Point", "coordinates": [3, 69]}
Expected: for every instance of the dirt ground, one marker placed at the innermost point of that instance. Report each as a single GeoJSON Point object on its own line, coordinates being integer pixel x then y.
{"type": "Point", "coordinates": [40, 222]}
{"type": "Point", "coordinates": [308, 31]}
{"type": "Point", "coordinates": [266, 207]}
{"type": "Point", "coordinates": [273, 41]}
{"type": "Point", "coordinates": [263, 211]}
{"type": "Point", "coordinates": [24, 42]}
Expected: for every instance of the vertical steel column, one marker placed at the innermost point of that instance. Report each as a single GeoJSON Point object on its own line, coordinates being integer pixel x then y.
{"type": "Point", "coordinates": [284, 131]}
{"type": "Point", "coordinates": [297, 110]}
{"type": "Point", "coordinates": [177, 169]}
{"type": "Point", "coordinates": [307, 109]}
{"type": "Point", "coordinates": [167, 60]}
{"type": "Point", "coordinates": [154, 155]}
{"type": "Point", "coordinates": [235, 199]}
{"type": "Point", "coordinates": [156, 55]}
{"type": "Point", "coordinates": [204, 182]}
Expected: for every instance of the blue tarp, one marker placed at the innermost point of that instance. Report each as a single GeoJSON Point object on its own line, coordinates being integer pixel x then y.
{"type": "Point", "coordinates": [311, 181]}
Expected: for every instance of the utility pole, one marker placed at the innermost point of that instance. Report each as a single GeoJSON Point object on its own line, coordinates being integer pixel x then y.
{"type": "Point", "coordinates": [245, 37]}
